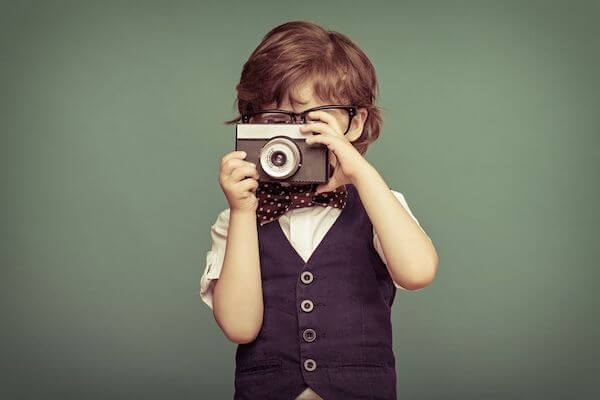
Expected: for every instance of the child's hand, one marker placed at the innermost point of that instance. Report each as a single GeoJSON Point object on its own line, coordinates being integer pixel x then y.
{"type": "Point", "coordinates": [349, 162]}
{"type": "Point", "coordinates": [236, 178]}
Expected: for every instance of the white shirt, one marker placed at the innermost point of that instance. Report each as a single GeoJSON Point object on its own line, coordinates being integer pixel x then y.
{"type": "Point", "coordinates": [303, 227]}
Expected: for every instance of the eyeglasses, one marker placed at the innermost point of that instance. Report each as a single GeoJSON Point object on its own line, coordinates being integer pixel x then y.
{"type": "Point", "coordinates": [344, 114]}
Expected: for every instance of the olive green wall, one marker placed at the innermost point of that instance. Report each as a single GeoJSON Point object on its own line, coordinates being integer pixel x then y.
{"type": "Point", "coordinates": [112, 133]}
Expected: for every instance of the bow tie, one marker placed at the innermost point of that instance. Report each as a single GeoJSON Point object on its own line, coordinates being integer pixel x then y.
{"type": "Point", "coordinates": [275, 200]}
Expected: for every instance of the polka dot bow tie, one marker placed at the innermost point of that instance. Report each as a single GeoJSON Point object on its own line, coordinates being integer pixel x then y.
{"type": "Point", "coordinates": [275, 200]}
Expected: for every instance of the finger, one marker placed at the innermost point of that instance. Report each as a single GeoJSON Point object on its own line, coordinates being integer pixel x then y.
{"type": "Point", "coordinates": [232, 164]}
{"type": "Point", "coordinates": [234, 154]}
{"type": "Point", "coordinates": [248, 186]}
{"type": "Point", "coordinates": [327, 117]}
{"type": "Point", "coordinates": [320, 127]}
{"type": "Point", "coordinates": [326, 140]}
{"type": "Point", "coordinates": [242, 172]}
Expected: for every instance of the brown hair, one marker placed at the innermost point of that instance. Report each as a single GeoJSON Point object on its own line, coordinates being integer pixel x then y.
{"type": "Point", "coordinates": [298, 51]}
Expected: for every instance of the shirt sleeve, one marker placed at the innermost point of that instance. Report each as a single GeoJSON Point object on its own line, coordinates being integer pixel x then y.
{"type": "Point", "coordinates": [377, 243]}
{"type": "Point", "coordinates": [214, 257]}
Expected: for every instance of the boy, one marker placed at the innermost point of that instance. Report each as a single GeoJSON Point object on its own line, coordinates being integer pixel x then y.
{"type": "Point", "coordinates": [303, 278]}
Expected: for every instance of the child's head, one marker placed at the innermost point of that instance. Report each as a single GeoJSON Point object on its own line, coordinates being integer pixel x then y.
{"type": "Point", "coordinates": [299, 65]}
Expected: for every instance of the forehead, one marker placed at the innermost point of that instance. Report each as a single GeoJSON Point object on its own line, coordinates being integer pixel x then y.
{"type": "Point", "coordinates": [303, 98]}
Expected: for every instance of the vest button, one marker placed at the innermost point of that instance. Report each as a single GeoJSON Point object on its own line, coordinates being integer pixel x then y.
{"type": "Point", "coordinates": [310, 364]}
{"type": "Point", "coordinates": [306, 277]}
{"type": "Point", "coordinates": [309, 335]}
{"type": "Point", "coordinates": [307, 305]}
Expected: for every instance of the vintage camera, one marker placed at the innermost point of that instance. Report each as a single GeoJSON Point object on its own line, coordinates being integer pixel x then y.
{"type": "Point", "coordinates": [281, 154]}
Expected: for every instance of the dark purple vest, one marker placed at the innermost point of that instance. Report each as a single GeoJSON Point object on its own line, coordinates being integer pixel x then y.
{"type": "Point", "coordinates": [326, 322]}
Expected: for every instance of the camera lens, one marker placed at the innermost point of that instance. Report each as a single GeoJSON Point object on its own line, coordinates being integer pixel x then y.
{"type": "Point", "coordinates": [278, 158]}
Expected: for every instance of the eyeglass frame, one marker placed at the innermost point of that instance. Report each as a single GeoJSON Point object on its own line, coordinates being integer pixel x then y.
{"type": "Point", "coordinates": [294, 116]}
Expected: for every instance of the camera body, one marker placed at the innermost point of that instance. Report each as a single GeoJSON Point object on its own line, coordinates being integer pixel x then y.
{"type": "Point", "coordinates": [281, 154]}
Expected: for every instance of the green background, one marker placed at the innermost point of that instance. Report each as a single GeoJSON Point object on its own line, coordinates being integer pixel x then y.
{"type": "Point", "coordinates": [112, 132]}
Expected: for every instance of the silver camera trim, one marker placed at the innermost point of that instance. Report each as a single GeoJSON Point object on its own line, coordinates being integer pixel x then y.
{"type": "Point", "coordinates": [257, 131]}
